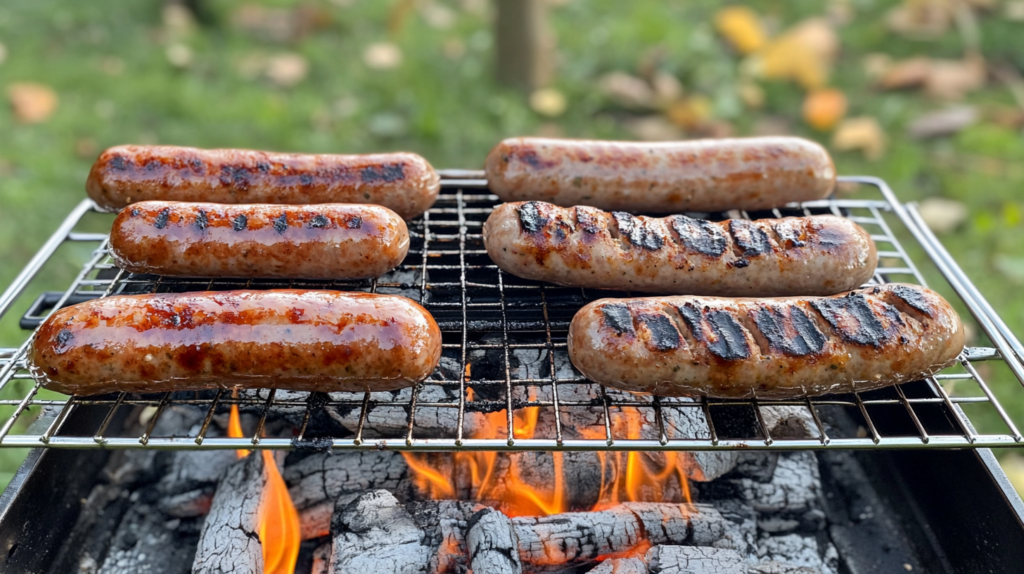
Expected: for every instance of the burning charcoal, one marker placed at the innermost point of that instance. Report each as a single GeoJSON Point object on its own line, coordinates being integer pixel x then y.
{"type": "Point", "coordinates": [620, 566]}
{"type": "Point", "coordinates": [229, 541]}
{"type": "Point", "coordinates": [790, 422]}
{"type": "Point", "coordinates": [321, 560]}
{"type": "Point", "coordinates": [759, 466]}
{"type": "Point", "coordinates": [694, 560]}
{"type": "Point", "coordinates": [772, 567]}
{"type": "Point", "coordinates": [318, 480]}
{"type": "Point", "coordinates": [146, 541]}
{"type": "Point", "coordinates": [492, 543]}
{"type": "Point", "coordinates": [583, 536]}
{"type": "Point", "coordinates": [794, 550]}
{"type": "Point", "coordinates": [375, 533]}
{"type": "Point", "coordinates": [794, 490]}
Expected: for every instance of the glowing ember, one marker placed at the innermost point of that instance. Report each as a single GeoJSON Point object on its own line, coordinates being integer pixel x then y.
{"type": "Point", "coordinates": [633, 476]}
{"type": "Point", "coordinates": [279, 521]}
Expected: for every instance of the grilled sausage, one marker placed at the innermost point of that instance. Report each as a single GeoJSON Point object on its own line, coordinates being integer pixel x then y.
{"type": "Point", "coordinates": [586, 247]}
{"type": "Point", "coordinates": [669, 177]}
{"type": "Point", "coordinates": [328, 241]}
{"type": "Point", "coordinates": [402, 182]}
{"type": "Point", "coordinates": [300, 340]}
{"type": "Point", "coordinates": [767, 348]}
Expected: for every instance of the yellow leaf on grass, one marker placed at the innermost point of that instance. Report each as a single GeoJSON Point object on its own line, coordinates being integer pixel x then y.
{"type": "Point", "coordinates": [861, 133]}
{"type": "Point", "coordinates": [803, 54]}
{"type": "Point", "coordinates": [32, 103]}
{"type": "Point", "coordinates": [824, 108]}
{"type": "Point", "coordinates": [691, 112]}
{"type": "Point", "coordinates": [548, 102]}
{"type": "Point", "coordinates": [742, 28]}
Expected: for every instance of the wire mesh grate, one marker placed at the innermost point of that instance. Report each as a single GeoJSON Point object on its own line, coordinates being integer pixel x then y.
{"type": "Point", "coordinates": [505, 381]}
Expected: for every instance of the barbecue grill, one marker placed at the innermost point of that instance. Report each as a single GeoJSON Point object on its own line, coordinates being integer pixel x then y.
{"type": "Point", "coordinates": [481, 308]}
{"type": "Point", "coordinates": [960, 510]}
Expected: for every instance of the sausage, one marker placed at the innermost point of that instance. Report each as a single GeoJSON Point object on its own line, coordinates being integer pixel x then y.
{"type": "Point", "coordinates": [402, 182]}
{"type": "Point", "coordinates": [768, 348]}
{"type": "Point", "coordinates": [669, 177]}
{"type": "Point", "coordinates": [300, 340]}
{"type": "Point", "coordinates": [327, 241]}
{"type": "Point", "coordinates": [585, 247]}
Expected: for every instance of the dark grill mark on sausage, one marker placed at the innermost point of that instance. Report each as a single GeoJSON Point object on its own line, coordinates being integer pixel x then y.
{"type": "Point", "coordinates": [354, 223]}
{"type": "Point", "coordinates": [586, 220]}
{"type": "Point", "coordinates": [197, 165]}
{"type": "Point", "coordinates": [664, 335]}
{"type": "Point", "coordinates": [393, 172]}
{"type": "Point", "coordinates": [749, 237]}
{"type": "Point", "coordinates": [63, 338]}
{"type": "Point", "coordinates": [135, 212]}
{"type": "Point", "coordinates": [530, 158]}
{"type": "Point", "coordinates": [618, 318]}
{"type": "Point", "coordinates": [119, 162]}
{"type": "Point", "coordinates": [263, 166]}
{"type": "Point", "coordinates": [162, 217]}
{"type": "Point", "coordinates": [318, 221]}
{"type": "Point", "coordinates": [240, 222]}
{"type": "Point", "coordinates": [281, 223]}
{"type": "Point", "coordinates": [691, 315]}
{"type": "Point", "coordinates": [729, 343]}
{"type": "Point", "coordinates": [530, 218]}
{"type": "Point", "coordinates": [306, 179]}
{"type": "Point", "coordinates": [699, 235]}
{"type": "Point", "coordinates": [201, 220]}
{"type": "Point", "coordinates": [853, 318]}
{"type": "Point", "coordinates": [789, 235]}
{"type": "Point", "coordinates": [772, 324]}
{"type": "Point", "coordinates": [153, 165]}
{"type": "Point", "coordinates": [638, 233]}
{"type": "Point", "coordinates": [912, 297]}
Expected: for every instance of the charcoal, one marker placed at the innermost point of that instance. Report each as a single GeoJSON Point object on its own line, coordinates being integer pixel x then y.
{"type": "Point", "coordinates": [230, 542]}
{"type": "Point", "coordinates": [492, 543]}
{"type": "Point", "coordinates": [147, 542]}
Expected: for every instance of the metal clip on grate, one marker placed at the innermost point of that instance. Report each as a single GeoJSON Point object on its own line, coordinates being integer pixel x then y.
{"type": "Point", "coordinates": [505, 350]}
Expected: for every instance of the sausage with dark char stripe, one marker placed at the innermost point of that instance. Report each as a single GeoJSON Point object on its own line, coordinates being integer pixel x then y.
{"type": "Point", "coordinates": [586, 247]}
{"type": "Point", "coordinates": [668, 177]}
{"type": "Point", "coordinates": [323, 341]}
{"type": "Point", "coordinates": [326, 241]}
{"type": "Point", "coordinates": [402, 182]}
{"type": "Point", "coordinates": [768, 348]}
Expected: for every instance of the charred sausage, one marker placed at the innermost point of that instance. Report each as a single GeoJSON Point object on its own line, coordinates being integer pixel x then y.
{"type": "Point", "coordinates": [290, 339]}
{"type": "Point", "coordinates": [586, 247]}
{"type": "Point", "coordinates": [669, 177]}
{"type": "Point", "coordinates": [402, 182]}
{"type": "Point", "coordinates": [767, 348]}
{"type": "Point", "coordinates": [327, 241]}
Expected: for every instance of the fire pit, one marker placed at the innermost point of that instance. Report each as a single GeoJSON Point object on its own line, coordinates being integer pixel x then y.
{"type": "Point", "coordinates": [506, 459]}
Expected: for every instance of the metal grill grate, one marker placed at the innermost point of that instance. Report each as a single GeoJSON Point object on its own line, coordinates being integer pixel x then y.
{"type": "Point", "coordinates": [505, 352]}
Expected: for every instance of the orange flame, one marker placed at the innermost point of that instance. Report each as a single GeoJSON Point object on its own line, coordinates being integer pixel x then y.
{"type": "Point", "coordinates": [279, 521]}
{"type": "Point", "coordinates": [629, 476]}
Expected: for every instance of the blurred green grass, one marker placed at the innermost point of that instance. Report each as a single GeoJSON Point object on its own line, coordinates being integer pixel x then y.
{"type": "Point", "coordinates": [108, 63]}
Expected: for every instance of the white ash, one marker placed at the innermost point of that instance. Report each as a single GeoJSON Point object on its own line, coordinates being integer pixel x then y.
{"type": "Point", "coordinates": [229, 541]}
{"type": "Point", "coordinates": [797, 550]}
{"type": "Point", "coordinates": [492, 543]}
{"type": "Point", "coordinates": [620, 566]}
{"type": "Point", "coordinates": [375, 533]}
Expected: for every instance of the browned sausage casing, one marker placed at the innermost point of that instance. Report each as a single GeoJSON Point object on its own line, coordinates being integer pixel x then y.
{"type": "Point", "coordinates": [668, 177]}
{"type": "Point", "coordinates": [402, 182]}
{"type": "Point", "coordinates": [300, 340]}
{"type": "Point", "coordinates": [586, 247]}
{"type": "Point", "coordinates": [326, 241]}
{"type": "Point", "coordinates": [768, 348]}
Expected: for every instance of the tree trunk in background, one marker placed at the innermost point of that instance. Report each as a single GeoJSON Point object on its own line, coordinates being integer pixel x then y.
{"type": "Point", "coordinates": [525, 44]}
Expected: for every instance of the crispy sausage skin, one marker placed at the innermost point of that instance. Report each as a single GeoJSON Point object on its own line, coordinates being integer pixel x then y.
{"type": "Point", "coordinates": [290, 339]}
{"type": "Point", "coordinates": [326, 241]}
{"type": "Point", "coordinates": [586, 247]}
{"type": "Point", "coordinates": [402, 182]}
{"type": "Point", "coordinates": [768, 348]}
{"type": "Point", "coordinates": [668, 177]}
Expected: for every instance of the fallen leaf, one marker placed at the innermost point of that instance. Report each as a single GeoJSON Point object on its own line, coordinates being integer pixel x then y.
{"type": "Point", "coordinates": [691, 112]}
{"type": "Point", "coordinates": [742, 28]}
{"type": "Point", "coordinates": [943, 122]}
{"type": "Point", "coordinates": [1014, 10]}
{"type": "Point", "coordinates": [548, 102]}
{"type": "Point", "coordinates": [824, 108]}
{"type": "Point", "coordinates": [626, 90]}
{"type": "Point", "coordinates": [921, 18]}
{"type": "Point", "coordinates": [952, 79]}
{"type": "Point", "coordinates": [942, 215]}
{"type": "Point", "coordinates": [715, 129]}
{"type": "Point", "coordinates": [653, 129]}
{"type": "Point", "coordinates": [804, 54]}
{"type": "Point", "coordinates": [905, 74]}
{"type": "Point", "coordinates": [382, 56]}
{"type": "Point", "coordinates": [861, 133]}
{"type": "Point", "coordinates": [287, 70]}
{"type": "Point", "coordinates": [179, 55]}
{"type": "Point", "coordinates": [667, 89]}
{"type": "Point", "coordinates": [32, 103]}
